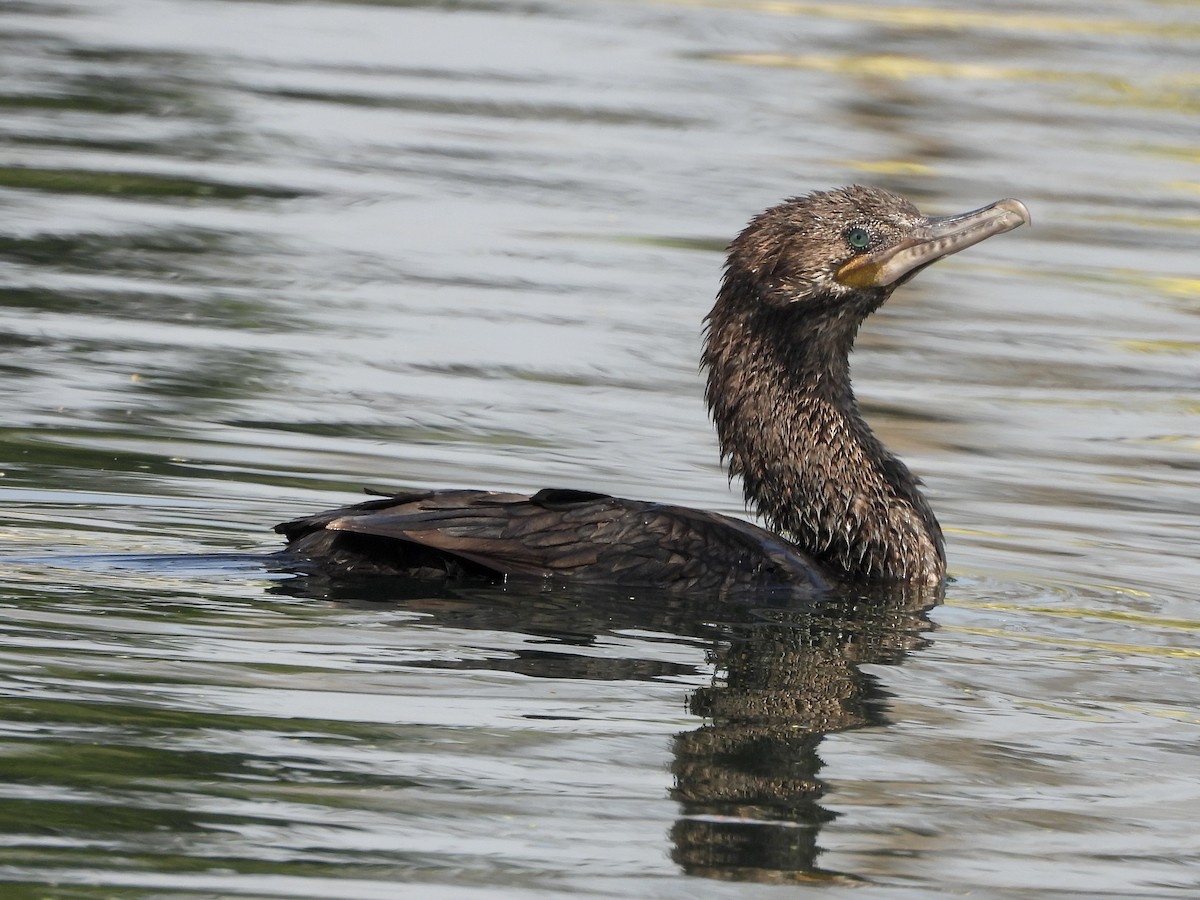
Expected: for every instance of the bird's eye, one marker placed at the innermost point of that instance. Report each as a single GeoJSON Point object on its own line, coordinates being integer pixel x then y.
{"type": "Point", "coordinates": [858, 238]}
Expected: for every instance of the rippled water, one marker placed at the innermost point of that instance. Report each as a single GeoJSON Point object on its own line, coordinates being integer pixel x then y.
{"type": "Point", "coordinates": [254, 256]}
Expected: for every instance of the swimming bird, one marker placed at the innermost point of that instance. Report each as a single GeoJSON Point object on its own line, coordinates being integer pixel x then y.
{"type": "Point", "coordinates": [799, 281]}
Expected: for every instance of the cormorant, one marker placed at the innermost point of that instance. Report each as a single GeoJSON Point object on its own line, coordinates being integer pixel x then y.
{"type": "Point", "coordinates": [799, 281]}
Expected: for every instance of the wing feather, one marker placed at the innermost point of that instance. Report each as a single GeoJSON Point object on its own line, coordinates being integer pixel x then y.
{"type": "Point", "coordinates": [587, 536]}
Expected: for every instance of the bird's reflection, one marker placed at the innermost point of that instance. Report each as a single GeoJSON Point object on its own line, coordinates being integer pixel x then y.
{"type": "Point", "coordinates": [748, 779]}
{"type": "Point", "coordinates": [785, 673]}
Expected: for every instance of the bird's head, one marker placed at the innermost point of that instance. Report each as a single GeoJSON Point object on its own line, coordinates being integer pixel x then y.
{"type": "Point", "coordinates": [844, 251]}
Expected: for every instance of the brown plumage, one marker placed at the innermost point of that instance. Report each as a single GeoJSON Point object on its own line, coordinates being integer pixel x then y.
{"type": "Point", "coordinates": [799, 282]}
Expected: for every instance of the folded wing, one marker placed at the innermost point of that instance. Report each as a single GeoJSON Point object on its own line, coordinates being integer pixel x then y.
{"type": "Point", "coordinates": [587, 536]}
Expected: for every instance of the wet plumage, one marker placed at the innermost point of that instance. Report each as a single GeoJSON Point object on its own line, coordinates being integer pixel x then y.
{"type": "Point", "coordinates": [799, 281]}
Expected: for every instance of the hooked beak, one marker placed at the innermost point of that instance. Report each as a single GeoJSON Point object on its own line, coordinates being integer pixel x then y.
{"type": "Point", "coordinates": [934, 239]}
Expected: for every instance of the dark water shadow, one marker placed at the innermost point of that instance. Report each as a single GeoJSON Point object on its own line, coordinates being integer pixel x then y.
{"type": "Point", "coordinates": [785, 673]}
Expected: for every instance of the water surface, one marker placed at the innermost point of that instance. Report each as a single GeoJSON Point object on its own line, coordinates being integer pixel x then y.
{"type": "Point", "coordinates": [255, 256]}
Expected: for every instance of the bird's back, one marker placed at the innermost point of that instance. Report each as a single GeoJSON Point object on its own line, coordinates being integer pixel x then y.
{"type": "Point", "coordinates": [586, 536]}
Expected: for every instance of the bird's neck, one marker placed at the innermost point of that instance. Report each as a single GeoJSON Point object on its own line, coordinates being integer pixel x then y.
{"type": "Point", "coordinates": [780, 395]}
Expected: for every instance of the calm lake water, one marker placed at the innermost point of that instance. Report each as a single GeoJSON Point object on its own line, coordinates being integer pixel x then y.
{"type": "Point", "coordinates": [256, 256]}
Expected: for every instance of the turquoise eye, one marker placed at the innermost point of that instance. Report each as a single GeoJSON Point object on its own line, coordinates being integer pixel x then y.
{"type": "Point", "coordinates": [858, 238]}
